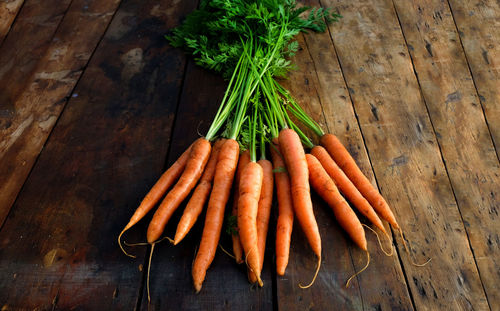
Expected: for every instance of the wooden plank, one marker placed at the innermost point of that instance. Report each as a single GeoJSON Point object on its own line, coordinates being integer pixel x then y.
{"type": "Point", "coordinates": [58, 246]}
{"type": "Point", "coordinates": [8, 13]}
{"type": "Point", "coordinates": [52, 64]}
{"type": "Point", "coordinates": [318, 85]}
{"type": "Point", "coordinates": [462, 133]}
{"type": "Point", "coordinates": [226, 286]}
{"type": "Point", "coordinates": [26, 45]}
{"type": "Point", "coordinates": [478, 23]}
{"type": "Point", "coordinates": [405, 155]}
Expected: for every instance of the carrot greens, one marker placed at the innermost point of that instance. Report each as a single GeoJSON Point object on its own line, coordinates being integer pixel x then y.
{"type": "Point", "coordinates": [249, 43]}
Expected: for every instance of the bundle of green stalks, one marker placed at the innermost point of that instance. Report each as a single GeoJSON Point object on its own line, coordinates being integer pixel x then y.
{"type": "Point", "coordinates": [250, 44]}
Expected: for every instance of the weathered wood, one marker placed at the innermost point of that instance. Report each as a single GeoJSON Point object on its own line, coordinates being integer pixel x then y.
{"type": "Point", "coordinates": [58, 247]}
{"type": "Point", "coordinates": [26, 45]}
{"type": "Point", "coordinates": [51, 66]}
{"type": "Point", "coordinates": [8, 12]}
{"type": "Point", "coordinates": [226, 286]}
{"type": "Point", "coordinates": [319, 87]}
{"type": "Point", "coordinates": [383, 285]}
{"type": "Point", "coordinates": [462, 133]}
{"type": "Point", "coordinates": [478, 23]}
{"type": "Point", "coordinates": [405, 156]}
{"type": "Point", "coordinates": [337, 265]}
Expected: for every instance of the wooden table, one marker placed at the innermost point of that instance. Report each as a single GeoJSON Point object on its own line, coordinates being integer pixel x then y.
{"type": "Point", "coordinates": [94, 105]}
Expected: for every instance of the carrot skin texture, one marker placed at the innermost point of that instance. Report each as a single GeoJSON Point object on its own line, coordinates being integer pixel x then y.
{"type": "Point", "coordinates": [296, 163]}
{"type": "Point", "coordinates": [237, 247]}
{"type": "Point", "coordinates": [263, 212]}
{"type": "Point", "coordinates": [159, 188]}
{"type": "Point", "coordinates": [200, 195]}
{"type": "Point", "coordinates": [344, 214]}
{"type": "Point", "coordinates": [345, 186]}
{"type": "Point", "coordinates": [248, 205]}
{"type": "Point", "coordinates": [345, 161]}
{"type": "Point", "coordinates": [198, 158]}
{"type": "Point", "coordinates": [284, 225]}
{"type": "Point", "coordinates": [223, 179]}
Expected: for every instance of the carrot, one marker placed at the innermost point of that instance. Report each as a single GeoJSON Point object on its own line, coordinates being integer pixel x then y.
{"type": "Point", "coordinates": [154, 195]}
{"type": "Point", "coordinates": [342, 157]}
{"type": "Point", "coordinates": [344, 214]}
{"type": "Point", "coordinates": [346, 186]}
{"type": "Point", "coordinates": [198, 157]}
{"type": "Point", "coordinates": [224, 174]}
{"type": "Point", "coordinates": [296, 163]}
{"type": "Point", "coordinates": [285, 211]}
{"type": "Point", "coordinates": [263, 212]}
{"type": "Point", "coordinates": [248, 204]}
{"type": "Point", "coordinates": [200, 195]}
{"type": "Point", "coordinates": [237, 247]}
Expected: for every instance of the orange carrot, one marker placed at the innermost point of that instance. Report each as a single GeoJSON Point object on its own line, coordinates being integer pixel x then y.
{"type": "Point", "coordinates": [342, 157]}
{"type": "Point", "coordinates": [285, 211]}
{"type": "Point", "coordinates": [237, 247]}
{"type": "Point", "coordinates": [154, 195]}
{"type": "Point", "coordinates": [263, 212]}
{"type": "Point", "coordinates": [198, 157]}
{"type": "Point", "coordinates": [248, 204]}
{"type": "Point", "coordinates": [200, 195]}
{"type": "Point", "coordinates": [326, 188]}
{"type": "Point", "coordinates": [296, 163]}
{"type": "Point", "coordinates": [346, 186]}
{"type": "Point", "coordinates": [223, 179]}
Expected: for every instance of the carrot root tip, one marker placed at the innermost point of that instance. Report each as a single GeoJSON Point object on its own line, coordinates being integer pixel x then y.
{"type": "Point", "coordinates": [135, 244]}
{"type": "Point", "coordinates": [260, 281]}
{"type": "Point", "coordinates": [120, 243]}
{"type": "Point", "coordinates": [407, 248]}
{"type": "Point", "coordinates": [357, 273]}
{"type": "Point", "coordinates": [314, 277]}
{"type": "Point", "coordinates": [388, 254]}
{"type": "Point", "coordinates": [227, 253]}
{"type": "Point", "coordinates": [149, 269]}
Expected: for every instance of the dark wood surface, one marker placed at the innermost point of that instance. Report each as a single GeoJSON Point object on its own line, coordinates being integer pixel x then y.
{"type": "Point", "coordinates": [94, 105]}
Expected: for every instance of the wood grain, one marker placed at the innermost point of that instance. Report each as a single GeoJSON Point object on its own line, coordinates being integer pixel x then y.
{"type": "Point", "coordinates": [478, 23]}
{"type": "Point", "coordinates": [319, 87]}
{"type": "Point", "coordinates": [405, 155]}
{"type": "Point", "coordinates": [45, 70]}
{"type": "Point", "coordinates": [58, 246]}
{"type": "Point", "coordinates": [226, 286]}
{"type": "Point", "coordinates": [337, 262]}
{"type": "Point", "coordinates": [26, 45]}
{"type": "Point", "coordinates": [460, 127]}
{"type": "Point", "coordinates": [340, 119]}
{"type": "Point", "coordinates": [414, 100]}
{"type": "Point", "coordinates": [8, 12]}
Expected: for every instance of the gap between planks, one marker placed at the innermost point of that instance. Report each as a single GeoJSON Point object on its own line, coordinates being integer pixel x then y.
{"type": "Point", "coordinates": [440, 147]}
{"type": "Point", "coordinates": [6, 33]}
{"type": "Point", "coordinates": [66, 99]}
{"type": "Point", "coordinates": [440, 153]}
{"type": "Point", "coordinates": [428, 116]}
{"type": "Point", "coordinates": [496, 148]}
{"type": "Point", "coordinates": [393, 233]}
{"type": "Point", "coordinates": [351, 255]}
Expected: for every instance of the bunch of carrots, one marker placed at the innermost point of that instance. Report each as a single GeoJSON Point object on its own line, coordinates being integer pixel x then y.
{"type": "Point", "coordinates": [249, 43]}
